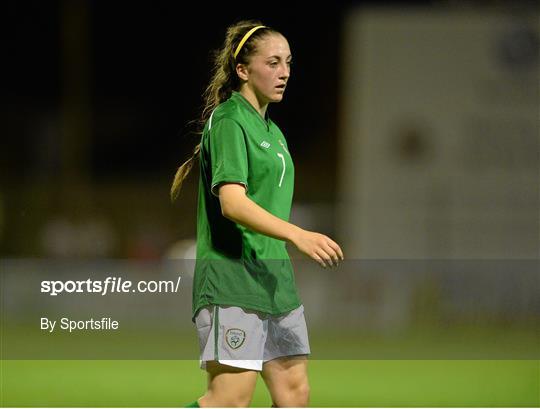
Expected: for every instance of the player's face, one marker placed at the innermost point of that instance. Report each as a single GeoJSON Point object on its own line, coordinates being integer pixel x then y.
{"type": "Point", "coordinates": [269, 68]}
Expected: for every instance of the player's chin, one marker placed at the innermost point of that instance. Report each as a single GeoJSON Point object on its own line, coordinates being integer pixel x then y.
{"type": "Point", "coordinates": [277, 96]}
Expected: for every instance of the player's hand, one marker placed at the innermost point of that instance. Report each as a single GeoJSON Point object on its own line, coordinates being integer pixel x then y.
{"type": "Point", "coordinates": [319, 247]}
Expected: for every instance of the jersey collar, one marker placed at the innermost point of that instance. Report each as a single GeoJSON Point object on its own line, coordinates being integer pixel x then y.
{"type": "Point", "coordinates": [244, 101]}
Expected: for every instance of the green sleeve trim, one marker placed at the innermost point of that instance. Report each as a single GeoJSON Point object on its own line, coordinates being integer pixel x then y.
{"type": "Point", "coordinates": [218, 182]}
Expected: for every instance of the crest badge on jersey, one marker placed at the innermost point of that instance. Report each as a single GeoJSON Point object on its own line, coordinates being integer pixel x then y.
{"type": "Point", "coordinates": [235, 337]}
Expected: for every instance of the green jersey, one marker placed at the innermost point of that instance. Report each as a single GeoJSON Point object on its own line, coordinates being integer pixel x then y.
{"type": "Point", "coordinates": [235, 265]}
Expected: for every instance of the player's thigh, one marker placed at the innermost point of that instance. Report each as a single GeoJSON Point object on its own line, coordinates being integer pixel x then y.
{"type": "Point", "coordinates": [229, 386]}
{"type": "Point", "coordinates": [287, 380]}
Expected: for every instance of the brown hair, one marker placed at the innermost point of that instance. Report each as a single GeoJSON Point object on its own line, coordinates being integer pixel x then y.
{"type": "Point", "coordinates": [224, 81]}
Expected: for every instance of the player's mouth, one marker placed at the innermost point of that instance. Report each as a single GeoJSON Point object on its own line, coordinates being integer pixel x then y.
{"type": "Point", "coordinates": [281, 87]}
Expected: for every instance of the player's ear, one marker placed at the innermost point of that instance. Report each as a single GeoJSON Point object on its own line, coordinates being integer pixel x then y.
{"type": "Point", "coordinates": [242, 72]}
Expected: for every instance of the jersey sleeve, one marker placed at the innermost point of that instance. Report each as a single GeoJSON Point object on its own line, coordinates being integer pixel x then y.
{"type": "Point", "coordinates": [228, 154]}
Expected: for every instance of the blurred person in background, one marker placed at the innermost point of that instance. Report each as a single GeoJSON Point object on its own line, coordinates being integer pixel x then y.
{"type": "Point", "coordinates": [246, 307]}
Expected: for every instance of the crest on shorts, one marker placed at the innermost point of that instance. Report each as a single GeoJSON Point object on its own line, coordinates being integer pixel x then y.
{"type": "Point", "coordinates": [235, 337]}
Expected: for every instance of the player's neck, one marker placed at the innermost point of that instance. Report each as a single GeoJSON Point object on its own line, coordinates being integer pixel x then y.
{"type": "Point", "coordinates": [251, 97]}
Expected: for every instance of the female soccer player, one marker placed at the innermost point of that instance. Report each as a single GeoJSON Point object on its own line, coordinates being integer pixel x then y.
{"type": "Point", "coordinates": [246, 308]}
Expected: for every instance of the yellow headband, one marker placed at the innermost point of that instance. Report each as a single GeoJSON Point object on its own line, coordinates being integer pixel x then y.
{"type": "Point", "coordinates": [246, 37]}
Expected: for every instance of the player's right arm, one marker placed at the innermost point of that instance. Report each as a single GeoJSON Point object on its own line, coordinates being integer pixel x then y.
{"type": "Point", "coordinates": [236, 206]}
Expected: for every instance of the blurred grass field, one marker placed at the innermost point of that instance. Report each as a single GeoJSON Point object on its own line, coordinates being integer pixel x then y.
{"type": "Point", "coordinates": [353, 383]}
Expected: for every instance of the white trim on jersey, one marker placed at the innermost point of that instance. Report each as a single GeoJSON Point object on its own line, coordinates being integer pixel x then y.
{"type": "Point", "coordinates": [282, 173]}
{"type": "Point", "coordinates": [210, 120]}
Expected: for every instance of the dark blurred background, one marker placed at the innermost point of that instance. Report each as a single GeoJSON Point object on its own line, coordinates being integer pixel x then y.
{"type": "Point", "coordinates": [97, 100]}
{"type": "Point", "coordinates": [413, 127]}
{"type": "Point", "coordinates": [415, 135]}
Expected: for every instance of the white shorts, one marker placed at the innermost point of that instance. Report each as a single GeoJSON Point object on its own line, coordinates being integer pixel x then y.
{"type": "Point", "coordinates": [246, 339]}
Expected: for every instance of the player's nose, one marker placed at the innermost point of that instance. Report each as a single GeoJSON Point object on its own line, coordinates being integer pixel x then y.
{"type": "Point", "coordinates": [284, 71]}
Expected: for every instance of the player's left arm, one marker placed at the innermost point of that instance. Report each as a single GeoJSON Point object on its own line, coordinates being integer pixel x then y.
{"type": "Point", "coordinates": [238, 207]}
